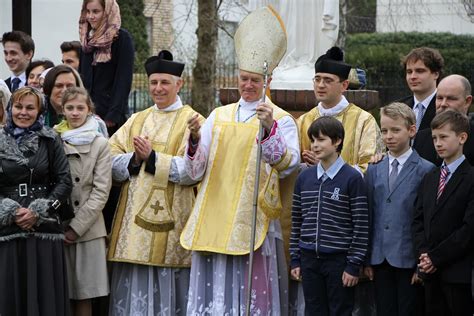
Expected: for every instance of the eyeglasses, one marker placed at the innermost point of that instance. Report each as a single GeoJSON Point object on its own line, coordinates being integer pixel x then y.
{"type": "Point", "coordinates": [327, 81]}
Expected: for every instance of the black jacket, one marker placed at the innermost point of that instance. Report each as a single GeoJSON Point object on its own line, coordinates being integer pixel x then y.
{"type": "Point", "coordinates": [55, 184]}
{"type": "Point", "coordinates": [425, 147]}
{"type": "Point", "coordinates": [109, 83]}
{"type": "Point", "coordinates": [9, 83]}
{"type": "Point", "coordinates": [429, 114]}
{"type": "Point", "coordinates": [444, 229]}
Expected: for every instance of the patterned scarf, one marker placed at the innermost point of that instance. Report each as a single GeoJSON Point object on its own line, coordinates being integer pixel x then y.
{"type": "Point", "coordinates": [101, 39]}
{"type": "Point", "coordinates": [17, 143]}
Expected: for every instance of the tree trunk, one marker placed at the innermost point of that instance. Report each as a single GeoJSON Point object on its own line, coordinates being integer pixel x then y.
{"type": "Point", "coordinates": [341, 38]}
{"type": "Point", "coordinates": [204, 72]}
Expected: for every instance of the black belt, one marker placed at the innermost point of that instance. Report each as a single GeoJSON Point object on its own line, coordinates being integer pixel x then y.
{"type": "Point", "coordinates": [24, 189]}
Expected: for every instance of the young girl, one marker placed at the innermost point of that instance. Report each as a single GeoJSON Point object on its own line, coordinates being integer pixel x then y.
{"type": "Point", "coordinates": [89, 158]}
{"type": "Point", "coordinates": [106, 60]}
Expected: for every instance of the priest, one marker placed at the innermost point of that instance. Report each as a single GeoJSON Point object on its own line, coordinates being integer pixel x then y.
{"type": "Point", "coordinates": [363, 138]}
{"type": "Point", "coordinates": [150, 269]}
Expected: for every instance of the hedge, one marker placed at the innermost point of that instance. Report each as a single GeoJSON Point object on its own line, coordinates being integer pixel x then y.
{"type": "Point", "coordinates": [380, 53]}
{"type": "Point", "coordinates": [134, 21]}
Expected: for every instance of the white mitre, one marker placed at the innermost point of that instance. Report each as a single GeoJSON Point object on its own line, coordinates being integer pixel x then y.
{"type": "Point", "coordinates": [260, 37]}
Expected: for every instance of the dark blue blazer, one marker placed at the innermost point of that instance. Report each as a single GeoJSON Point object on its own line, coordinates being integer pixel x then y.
{"type": "Point", "coordinates": [9, 83]}
{"type": "Point", "coordinates": [109, 83]}
{"type": "Point", "coordinates": [425, 147]}
{"type": "Point", "coordinates": [391, 213]}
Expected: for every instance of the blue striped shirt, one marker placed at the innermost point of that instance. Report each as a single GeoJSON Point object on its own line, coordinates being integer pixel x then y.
{"type": "Point", "coordinates": [330, 214]}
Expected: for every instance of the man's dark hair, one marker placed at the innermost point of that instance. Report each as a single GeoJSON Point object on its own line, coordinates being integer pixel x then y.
{"type": "Point", "coordinates": [327, 126]}
{"type": "Point", "coordinates": [429, 56]}
{"type": "Point", "coordinates": [458, 122]}
{"type": "Point", "coordinates": [26, 42]}
{"type": "Point", "coordinates": [72, 45]}
{"type": "Point", "coordinates": [45, 63]}
{"type": "Point", "coordinates": [51, 76]}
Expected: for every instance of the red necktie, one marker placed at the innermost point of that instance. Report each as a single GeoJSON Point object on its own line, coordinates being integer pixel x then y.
{"type": "Point", "coordinates": [442, 180]}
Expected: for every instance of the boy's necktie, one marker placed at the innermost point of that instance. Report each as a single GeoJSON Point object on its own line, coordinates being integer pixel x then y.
{"type": "Point", "coordinates": [420, 110]}
{"type": "Point", "coordinates": [442, 180]}
{"type": "Point", "coordinates": [15, 84]}
{"type": "Point", "coordinates": [393, 175]}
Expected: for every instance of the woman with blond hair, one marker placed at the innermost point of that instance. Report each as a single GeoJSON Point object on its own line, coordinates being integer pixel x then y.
{"type": "Point", "coordinates": [34, 185]}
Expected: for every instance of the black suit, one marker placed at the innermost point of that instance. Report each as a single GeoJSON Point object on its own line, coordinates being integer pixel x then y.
{"type": "Point", "coordinates": [444, 229]}
{"type": "Point", "coordinates": [424, 145]}
{"type": "Point", "coordinates": [429, 114]}
{"type": "Point", "coordinates": [9, 83]}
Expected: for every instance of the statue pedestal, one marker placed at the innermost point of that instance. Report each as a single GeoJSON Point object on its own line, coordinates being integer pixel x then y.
{"type": "Point", "coordinates": [297, 102]}
{"type": "Point", "coordinates": [293, 78]}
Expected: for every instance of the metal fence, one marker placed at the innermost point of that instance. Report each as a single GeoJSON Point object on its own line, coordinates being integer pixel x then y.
{"type": "Point", "coordinates": [388, 81]}
{"type": "Point", "coordinates": [139, 98]}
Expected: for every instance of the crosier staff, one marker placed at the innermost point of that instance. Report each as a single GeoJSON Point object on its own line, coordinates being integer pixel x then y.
{"type": "Point", "coordinates": [255, 195]}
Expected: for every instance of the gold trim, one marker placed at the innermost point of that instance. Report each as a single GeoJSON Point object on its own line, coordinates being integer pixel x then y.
{"type": "Point", "coordinates": [284, 162]}
{"type": "Point", "coordinates": [158, 227]}
{"type": "Point", "coordinates": [118, 218]}
{"type": "Point", "coordinates": [275, 13]}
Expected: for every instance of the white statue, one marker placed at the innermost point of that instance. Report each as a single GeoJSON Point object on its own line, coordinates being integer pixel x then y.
{"type": "Point", "coordinates": [312, 27]}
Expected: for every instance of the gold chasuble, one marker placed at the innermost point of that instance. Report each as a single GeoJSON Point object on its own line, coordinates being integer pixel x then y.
{"type": "Point", "coordinates": [152, 211]}
{"type": "Point", "coordinates": [221, 218]}
{"type": "Point", "coordinates": [360, 134]}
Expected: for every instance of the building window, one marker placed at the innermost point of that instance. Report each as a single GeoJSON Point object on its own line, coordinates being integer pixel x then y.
{"type": "Point", "coordinates": [149, 32]}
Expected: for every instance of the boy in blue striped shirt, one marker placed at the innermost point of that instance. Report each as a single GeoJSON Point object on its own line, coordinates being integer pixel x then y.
{"type": "Point", "coordinates": [329, 233]}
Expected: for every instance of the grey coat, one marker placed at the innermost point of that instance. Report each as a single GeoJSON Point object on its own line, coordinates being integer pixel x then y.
{"type": "Point", "coordinates": [91, 171]}
{"type": "Point", "coordinates": [391, 213]}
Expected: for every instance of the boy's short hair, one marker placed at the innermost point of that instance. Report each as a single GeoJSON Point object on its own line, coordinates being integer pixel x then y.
{"type": "Point", "coordinates": [429, 56]}
{"type": "Point", "coordinates": [72, 45]}
{"type": "Point", "coordinates": [458, 122]}
{"type": "Point", "coordinates": [26, 42]}
{"type": "Point", "coordinates": [327, 126]}
{"type": "Point", "coordinates": [396, 110]}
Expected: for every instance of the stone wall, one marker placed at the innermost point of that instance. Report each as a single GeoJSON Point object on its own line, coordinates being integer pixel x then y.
{"type": "Point", "coordinates": [298, 102]}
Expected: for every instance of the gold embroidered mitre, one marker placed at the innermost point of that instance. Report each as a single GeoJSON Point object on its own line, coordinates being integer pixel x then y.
{"type": "Point", "coordinates": [261, 37]}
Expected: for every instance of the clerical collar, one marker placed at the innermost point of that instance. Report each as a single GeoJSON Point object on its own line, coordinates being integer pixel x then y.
{"type": "Point", "coordinates": [335, 110]}
{"type": "Point", "coordinates": [173, 107]}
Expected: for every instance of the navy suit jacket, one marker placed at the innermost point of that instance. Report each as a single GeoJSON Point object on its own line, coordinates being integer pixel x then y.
{"type": "Point", "coordinates": [391, 212]}
{"type": "Point", "coordinates": [9, 83]}
{"type": "Point", "coordinates": [445, 228]}
{"type": "Point", "coordinates": [425, 147]}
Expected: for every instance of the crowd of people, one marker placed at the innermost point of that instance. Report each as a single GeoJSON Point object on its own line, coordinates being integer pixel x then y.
{"type": "Point", "coordinates": [342, 197]}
